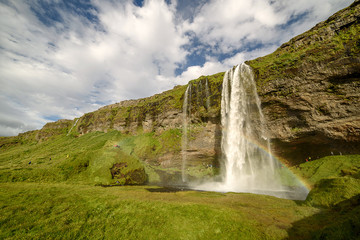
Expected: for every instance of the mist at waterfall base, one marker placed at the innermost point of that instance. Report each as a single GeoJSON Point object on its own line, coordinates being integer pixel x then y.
{"type": "Point", "coordinates": [247, 164]}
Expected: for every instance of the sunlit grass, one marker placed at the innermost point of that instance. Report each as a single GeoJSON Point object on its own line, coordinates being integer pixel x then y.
{"type": "Point", "coordinates": [64, 211]}
{"type": "Point", "coordinates": [331, 166]}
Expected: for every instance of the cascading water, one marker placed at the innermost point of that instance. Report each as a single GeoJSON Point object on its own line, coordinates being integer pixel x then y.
{"type": "Point", "coordinates": [72, 127]}
{"type": "Point", "coordinates": [184, 140]}
{"type": "Point", "coordinates": [248, 165]}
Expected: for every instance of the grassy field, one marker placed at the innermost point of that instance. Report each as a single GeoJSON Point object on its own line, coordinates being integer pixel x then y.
{"type": "Point", "coordinates": [31, 210]}
{"type": "Point", "coordinates": [61, 197]}
{"type": "Point", "coordinates": [68, 211]}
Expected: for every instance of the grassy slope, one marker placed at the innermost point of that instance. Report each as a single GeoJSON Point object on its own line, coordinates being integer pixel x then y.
{"type": "Point", "coordinates": [329, 167]}
{"type": "Point", "coordinates": [87, 159]}
{"type": "Point", "coordinates": [334, 179]}
{"type": "Point", "coordinates": [335, 182]}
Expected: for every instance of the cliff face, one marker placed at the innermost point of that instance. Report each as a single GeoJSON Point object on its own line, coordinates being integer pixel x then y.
{"type": "Point", "coordinates": [310, 93]}
{"type": "Point", "coordinates": [310, 89]}
{"type": "Point", "coordinates": [161, 116]}
{"type": "Point", "coordinates": [157, 113]}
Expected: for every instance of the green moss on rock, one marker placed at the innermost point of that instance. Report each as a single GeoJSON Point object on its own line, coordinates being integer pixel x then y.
{"type": "Point", "coordinates": [123, 175]}
{"type": "Point", "coordinates": [324, 43]}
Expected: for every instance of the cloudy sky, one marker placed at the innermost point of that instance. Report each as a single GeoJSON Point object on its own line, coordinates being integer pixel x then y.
{"type": "Point", "coordinates": [60, 59]}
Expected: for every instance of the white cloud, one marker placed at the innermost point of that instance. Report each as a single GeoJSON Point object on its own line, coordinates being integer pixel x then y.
{"type": "Point", "coordinates": [75, 66]}
{"type": "Point", "coordinates": [194, 72]}
{"type": "Point", "coordinates": [212, 65]}
{"type": "Point", "coordinates": [229, 25]}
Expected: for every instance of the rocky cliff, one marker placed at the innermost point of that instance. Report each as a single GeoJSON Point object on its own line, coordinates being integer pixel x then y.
{"type": "Point", "coordinates": [309, 88]}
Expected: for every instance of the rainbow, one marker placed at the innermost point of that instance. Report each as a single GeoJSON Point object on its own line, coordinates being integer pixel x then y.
{"type": "Point", "coordinates": [278, 160]}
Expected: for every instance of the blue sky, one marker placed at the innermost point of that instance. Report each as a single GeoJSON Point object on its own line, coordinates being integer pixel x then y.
{"type": "Point", "coordinates": [61, 59]}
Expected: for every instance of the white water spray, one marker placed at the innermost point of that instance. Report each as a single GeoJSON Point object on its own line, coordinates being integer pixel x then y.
{"type": "Point", "coordinates": [184, 140]}
{"type": "Point", "coordinates": [248, 165]}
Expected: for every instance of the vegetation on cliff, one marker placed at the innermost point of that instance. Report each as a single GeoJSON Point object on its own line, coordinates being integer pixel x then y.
{"type": "Point", "coordinates": [147, 114]}
{"type": "Point", "coordinates": [330, 41]}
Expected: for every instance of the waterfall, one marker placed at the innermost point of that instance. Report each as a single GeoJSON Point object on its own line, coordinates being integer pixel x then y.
{"type": "Point", "coordinates": [72, 127]}
{"type": "Point", "coordinates": [184, 140]}
{"type": "Point", "coordinates": [247, 162]}
{"type": "Point", "coordinates": [249, 165]}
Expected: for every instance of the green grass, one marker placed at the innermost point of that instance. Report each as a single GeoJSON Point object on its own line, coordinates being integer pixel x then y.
{"type": "Point", "coordinates": [85, 159]}
{"type": "Point", "coordinates": [68, 211]}
{"type": "Point", "coordinates": [333, 179]}
{"type": "Point", "coordinates": [149, 145]}
{"type": "Point", "coordinates": [63, 211]}
{"type": "Point", "coordinates": [329, 167]}
{"type": "Point", "coordinates": [332, 191]}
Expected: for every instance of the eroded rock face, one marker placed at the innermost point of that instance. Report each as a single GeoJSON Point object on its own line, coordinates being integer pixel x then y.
{"type": "Point", "coordinates": [203, 148]}
{"type": "Point", "coordinates": [324, 102]}
{"type": "Point", "coordinates": [312, 104]}
{"type": "Point", "coordinates": [53, 128]}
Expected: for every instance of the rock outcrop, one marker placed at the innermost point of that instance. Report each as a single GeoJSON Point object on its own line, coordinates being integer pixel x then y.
{"type": "Point", "coordinates": [310, 89]}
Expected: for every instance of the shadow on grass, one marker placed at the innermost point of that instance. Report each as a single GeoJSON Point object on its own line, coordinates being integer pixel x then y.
{"type": "Point", "coordinates": [166, 189]}
{"type": "Point", "coordinates": [342, 221]}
